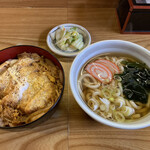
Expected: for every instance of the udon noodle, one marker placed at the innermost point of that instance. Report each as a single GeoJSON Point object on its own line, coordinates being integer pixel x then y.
{"type": "Point", "coordinates": [107, 99]}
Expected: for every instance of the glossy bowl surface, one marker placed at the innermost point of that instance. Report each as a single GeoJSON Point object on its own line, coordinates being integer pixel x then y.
{"type": "Point", "coordinates": [12, 52]}
{"type": "Point", "coordinates": [105, 47]}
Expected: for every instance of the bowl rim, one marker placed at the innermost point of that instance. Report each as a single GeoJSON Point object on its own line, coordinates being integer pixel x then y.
{"type": "Point", "coordinates": [54, 49]}
{"type": "Point", "coordinates": [84, 106]}
{"type": "Point", "coordinates": [59, 98]}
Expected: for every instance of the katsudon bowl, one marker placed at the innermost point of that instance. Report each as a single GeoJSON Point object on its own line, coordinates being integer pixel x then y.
{"type": "Point", "coordinates": [91, 100]}
{"type": "Point", "coordinates": [11, 53]}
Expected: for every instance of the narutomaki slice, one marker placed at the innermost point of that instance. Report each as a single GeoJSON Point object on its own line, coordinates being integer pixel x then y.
{"type": "Point", "coordinates": [100, 72]}
{"type": "Point", "coordinates": [112, 66]}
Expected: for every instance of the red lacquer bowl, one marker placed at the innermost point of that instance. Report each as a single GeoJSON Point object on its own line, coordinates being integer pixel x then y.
{"type": "Point", "coordinates": [12, 52]}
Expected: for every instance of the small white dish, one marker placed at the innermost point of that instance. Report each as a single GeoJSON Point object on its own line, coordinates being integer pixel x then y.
{"type": "Point", "coordinates": [51, 43]}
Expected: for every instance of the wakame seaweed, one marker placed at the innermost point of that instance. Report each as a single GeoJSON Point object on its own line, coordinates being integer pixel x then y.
{"type": "Point", "coordinates": [135, 81]}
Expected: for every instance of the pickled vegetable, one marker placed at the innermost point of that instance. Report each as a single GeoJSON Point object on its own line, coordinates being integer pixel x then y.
{"type": "Point", "coordinates": [68, 39]}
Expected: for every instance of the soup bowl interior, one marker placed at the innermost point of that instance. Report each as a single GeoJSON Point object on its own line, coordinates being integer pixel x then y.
{"type": "Point", "coordinates": [12, 52]}
{"type": "Point", "coordinates": [104, 48]}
